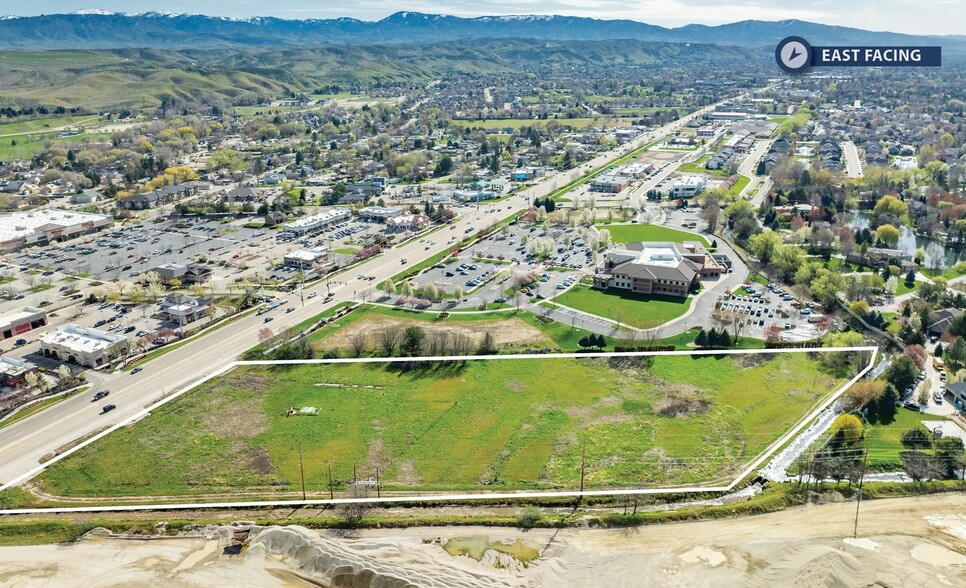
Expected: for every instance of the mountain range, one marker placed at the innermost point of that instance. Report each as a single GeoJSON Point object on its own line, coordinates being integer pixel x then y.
{"type": "Point", "coordinates": [97, 29]}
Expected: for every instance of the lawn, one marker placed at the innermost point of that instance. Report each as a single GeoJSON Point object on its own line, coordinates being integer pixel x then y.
{"type": "Point", "coordinates": [697, 167]}
{"type": "Point", "coordinates": [633, 233]}
{"type": "Point", "coordinates": [904, 288]}
{"type": "Point", "coordinates": [45, 124]}
{"type": "Point", "coordinates": [739, 185]}
{"type": "Point", "coordinates": [637, 310]}
{"type": "Point", "coordinates": [495, 425]}
{"type": "Point", "coordinates": [885, 441]}
{"type": "Point", "coordinates": [29, 145]}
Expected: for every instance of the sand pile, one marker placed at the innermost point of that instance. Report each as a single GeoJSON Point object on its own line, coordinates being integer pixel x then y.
{"type": "Point", "coordinates": [815, 565]}
{"type": "Point", "coordinates": [375, 563]}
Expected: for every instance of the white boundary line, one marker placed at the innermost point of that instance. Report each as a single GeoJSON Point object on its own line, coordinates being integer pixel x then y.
{"type": "Point", "coordinates": [444, 497]}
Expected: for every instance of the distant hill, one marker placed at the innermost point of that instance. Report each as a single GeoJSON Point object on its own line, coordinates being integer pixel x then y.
{"type": "Point", "coordinates": [105, 30]}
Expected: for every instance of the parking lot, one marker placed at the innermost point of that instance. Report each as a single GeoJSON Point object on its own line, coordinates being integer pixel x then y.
{"type": "Point", "coordinates": [766, 308]}
{"type": "Point", "coordinates": [485, 271]}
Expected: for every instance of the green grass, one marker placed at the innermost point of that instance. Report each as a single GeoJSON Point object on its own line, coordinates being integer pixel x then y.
{"type": "Point", "coordinates": [949, 273]}
{"type": "Point", "coordinates": [686, 339]}
{"type": "Point", "coordinates": [29, 145]}
{"type": "Point", "coordinates": [884, 442]}
{"type": "Point", "coordinates": [739, 185]}
{"type": "Point", "coordinates": [638, 310]}
{"type": "Point", "coordinates": [45, 124]}
{"type": "Point", "coordinates": [697, 167]}
{"type": "Point", "coordinates": [903, 288]}
{"type": "Point", "coordinates": [345, 250]}
{"type": "Point", "coordinates": [496, 424]}
{"type": "Point", "coordinates": [647, 232]}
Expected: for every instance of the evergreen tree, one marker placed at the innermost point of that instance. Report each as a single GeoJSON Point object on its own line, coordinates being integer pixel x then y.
{"type": "Point", "coordinates": [702, 339]}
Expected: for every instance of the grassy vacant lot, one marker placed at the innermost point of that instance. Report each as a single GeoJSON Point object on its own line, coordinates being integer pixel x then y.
{"type": "Point", "coordinates": [634, 233]}
{"type": "Point", "coordinates": [498, 424]}
{"type": "Point", "coordinates": [885, 441]}
{"type": "Point", "coordinates": [29, 145]}
{"type": "Point", "coordinates": [513, 330]}
{"type": "Point", "coordinates": [638, 310]}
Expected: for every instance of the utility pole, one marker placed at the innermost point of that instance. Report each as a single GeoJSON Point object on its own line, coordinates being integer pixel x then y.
{"type": "Point", "coordinates": [301, 470]}
{"type": "Point", "coordinates": [330, 481]}
{"type": "Point", "coordinates": [378, 492]}
{"type": "Point", "coordinates": [858, 501]}
{"type": "Point", "coordinates": [353, 472]}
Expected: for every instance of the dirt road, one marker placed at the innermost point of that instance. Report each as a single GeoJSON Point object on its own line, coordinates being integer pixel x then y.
{"type": "Point", "coordinates": [901, 542]}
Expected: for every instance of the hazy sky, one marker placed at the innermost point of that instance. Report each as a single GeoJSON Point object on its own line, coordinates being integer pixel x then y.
{"type": "Point", "coordinates": [905, 16]}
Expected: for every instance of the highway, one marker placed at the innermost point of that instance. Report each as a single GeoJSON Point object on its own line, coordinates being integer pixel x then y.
{"type": "Point", "coordinates": [25, 442]}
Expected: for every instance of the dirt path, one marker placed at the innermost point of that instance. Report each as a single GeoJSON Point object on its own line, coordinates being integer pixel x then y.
{"type": "Point", "coordinates": [901, 542]}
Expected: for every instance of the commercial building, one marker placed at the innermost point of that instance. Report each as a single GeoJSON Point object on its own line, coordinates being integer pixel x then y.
{"type": "Point", "coordinates": [657, 268]}
{"type": "Point", "coordinates": [14, 371]}
{"type": "Point", "coordinates": [637, 170]}
{"type": "Point", "coordinates": [182, 309]}
{"type": "Point", "coordinates": [378, 214]}
{"type": "Point", "coordinates": [407, 222]}
{"type": "Point", "coordinates": [193, 273]}
{"type": "Point", "coordinates": [305, 258]}
{"type": "Point", "coordinates": [17, 323]}
{"type": "Point", "coordinates": [688, 187]}
{"type": "Point", "coordinates": [609, 183]}
{"type": "Point", "coordinates": [318, 221]}
{"type": "Point", "coordinates": [41, 227]}
{"type": "Point", "coordinates": [87, 347]}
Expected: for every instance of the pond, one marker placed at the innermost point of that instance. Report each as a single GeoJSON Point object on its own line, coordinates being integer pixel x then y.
{"type": "Point", "coordinates": [475, 547]}
{"type": "Point", "coordinates": [909, 241]}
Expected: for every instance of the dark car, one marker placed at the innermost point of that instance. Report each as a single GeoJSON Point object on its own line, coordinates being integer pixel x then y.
{"type": "Point", "coordinates": [268, 319]}
{"type": "Point", "coordinates": [20, 342]}
{"type": "Point", "coordinates": [107, 408]}
{"type": "Point", "coordinates": [136, 370]}
{"type": "Point", "coordinates": [100, 395]}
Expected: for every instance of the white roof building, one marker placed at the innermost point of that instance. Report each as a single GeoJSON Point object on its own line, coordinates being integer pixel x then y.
{"type": "Point", "coordinates": [39, 227]}
{"type": "Point", "coordinates": [88, 347]}
{"type": "Point", "coordinates": [317, 221]}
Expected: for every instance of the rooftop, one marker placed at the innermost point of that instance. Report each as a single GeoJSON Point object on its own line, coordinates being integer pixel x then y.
{"type": "Point", "coordinates": [17, 225]}
{"type": "Point", "coordinates": [82, 340]}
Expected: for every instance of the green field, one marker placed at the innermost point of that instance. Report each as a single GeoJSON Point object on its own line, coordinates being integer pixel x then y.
{"type": "Point", "coordinates": [740, 184]}
{"type": "Point", "coordinates": [495, 424]}
{"type": "Point", "coordinates": [44, 124]}
{"type": "Point", "coordinates": [29, 145]}
{"type": "Point", "coordinates": [885, 441]}
{"type": "Point", "coordinates": [635, 233]}
{"type": "Point", "coordinates": [697, 167]}
{"type": "Point", "coordinates": [643, 311]}
{"type": "Point", "coordinates": [551, 334]}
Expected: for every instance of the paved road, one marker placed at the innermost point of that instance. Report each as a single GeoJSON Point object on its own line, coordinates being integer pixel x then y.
{"type": "Point", "coordinates": [22, 444]}
{"type": "Point", "coordinates": [749, 166]}
{"type": "Point", "coordinates": [853, 165]}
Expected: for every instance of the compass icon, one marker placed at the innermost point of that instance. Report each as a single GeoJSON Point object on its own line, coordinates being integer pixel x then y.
{"type": "Point", "coordinates": [793, 54]}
